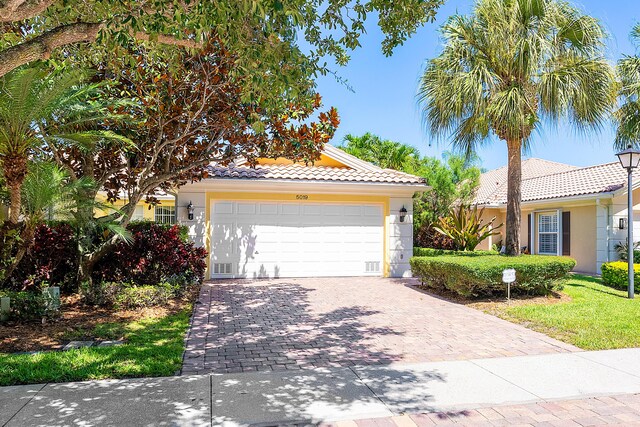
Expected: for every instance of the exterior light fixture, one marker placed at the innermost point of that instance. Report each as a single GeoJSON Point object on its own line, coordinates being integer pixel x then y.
{"type": "Point", "coordinates": [190, 210]}
{"type": "Point", "coordinates": [629, 159]}
{"type": "Point", "coordinates": [622, 223]}
{"type": "Point", "coordinates": [403, 214]}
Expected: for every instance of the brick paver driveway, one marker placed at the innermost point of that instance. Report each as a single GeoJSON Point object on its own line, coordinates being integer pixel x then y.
{"type": "Point", "coordinates": [306, 323]}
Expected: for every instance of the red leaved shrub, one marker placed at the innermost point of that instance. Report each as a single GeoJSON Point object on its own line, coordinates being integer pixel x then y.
{"type": "Point", "coordinates": [158, 253]}
{"type": "Point", "coordinates": [52, 259]}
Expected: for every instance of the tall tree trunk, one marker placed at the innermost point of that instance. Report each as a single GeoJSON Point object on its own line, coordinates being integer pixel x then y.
{"type": "Point", "coordinates": [514, 182]}
{"type": "Point", "coordinates": [15, 202]}
{"type": "Point", "coordinates": [24, 245]}
{"type": "Point", "coordinates": [15, 170]}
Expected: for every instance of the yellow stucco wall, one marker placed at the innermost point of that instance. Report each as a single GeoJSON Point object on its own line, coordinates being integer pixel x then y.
{"type": "Point", "coordinates": [147, 209]}
{"type": "Point", "coordinates": [583, 233]}
{"type": "Point", "coordinates": [323, 161]}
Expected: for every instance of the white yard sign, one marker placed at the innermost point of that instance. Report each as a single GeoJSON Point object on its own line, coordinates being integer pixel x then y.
{"type": "Point", "coordinates": [509, 275]}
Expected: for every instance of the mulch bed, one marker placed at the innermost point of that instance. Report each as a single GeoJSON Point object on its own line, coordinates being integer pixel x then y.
{"type": "Point", "coordinates": [495, 304]}
{"type": "Point", "coordinates": [76, 322]}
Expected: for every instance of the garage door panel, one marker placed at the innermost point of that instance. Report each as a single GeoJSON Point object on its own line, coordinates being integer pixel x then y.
{"type": "Point", "coordinates": [284, 239]}
{"type": "Point", "coordinates": [290, 209]}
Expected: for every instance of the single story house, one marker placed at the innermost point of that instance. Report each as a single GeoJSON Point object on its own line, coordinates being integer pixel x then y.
{"type": "Point", "coordinates": [566, 210]}
{"type": "Point", "coordinates": [340, 216]}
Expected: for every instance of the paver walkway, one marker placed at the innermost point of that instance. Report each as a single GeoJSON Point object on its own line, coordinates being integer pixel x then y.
{"type": "Point", "coordinates": [623, 410]}
{"type": "Point", "coordinates": [243, 326]}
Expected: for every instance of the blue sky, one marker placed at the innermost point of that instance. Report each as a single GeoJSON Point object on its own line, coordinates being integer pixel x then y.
{"type": "Point", "coordinates": [383, 101]}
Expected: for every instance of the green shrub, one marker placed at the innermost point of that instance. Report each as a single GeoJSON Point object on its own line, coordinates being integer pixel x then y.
{"type": "Point", "coordinates": [473, 276]}
{"type": "Point", "coordinates": [437, 252]}
{"type": "Point", "coordinates": [127, 296]}
{"type": "Point", "coordinates": [101, 294]}
{"type": "Point", "coordinates": [132, 296]}
{"type": "Point", "coordinates": [27, 305]}
{"type": "Point", "coordinates": [615, 274]}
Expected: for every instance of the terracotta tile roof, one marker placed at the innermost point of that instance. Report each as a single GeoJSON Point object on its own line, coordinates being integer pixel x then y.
{"type": "Point", "coordinates": [493, 180]}
{"type": "Point", "coordinates": [313, 173]}
{"type": "Point", "coordinates": [574, 181]}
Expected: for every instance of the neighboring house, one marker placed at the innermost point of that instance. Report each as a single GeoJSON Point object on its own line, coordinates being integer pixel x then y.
{"type": "Point", "coordinates": [340, 216]}
{"type": "Point", "coordinates": [164, 212]}
{"type": "Point", "coordinates": [566, 210]}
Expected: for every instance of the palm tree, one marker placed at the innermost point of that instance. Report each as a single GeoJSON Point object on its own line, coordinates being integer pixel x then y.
{"type": "Point", "coordinates": [628, 115]}
{"type": "Point", "coordinates": [384, 153]}
{"type": "Point", "coordinates": [505, 69]}
{"type": "Point", "coordinates": [34, 104]}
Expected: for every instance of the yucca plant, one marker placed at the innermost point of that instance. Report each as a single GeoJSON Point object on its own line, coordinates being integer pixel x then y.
{"type": "Point", "coordinates": [466, 228]}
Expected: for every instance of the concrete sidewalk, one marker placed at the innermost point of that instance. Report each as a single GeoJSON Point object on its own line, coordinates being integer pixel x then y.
{"type": "Point", "coordinates": [324, 395]}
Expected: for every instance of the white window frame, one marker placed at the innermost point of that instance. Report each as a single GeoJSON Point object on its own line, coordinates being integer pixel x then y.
{"type": "Point", "coordinates": [164, 214]}
{"type": "Point", "coordinates": [536, 219]}
{"type": "Point", "coordinates": [138, 213]}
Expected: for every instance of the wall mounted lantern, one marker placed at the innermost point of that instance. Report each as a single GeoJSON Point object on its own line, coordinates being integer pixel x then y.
{"type": "Point", "coordinates": [190, 210]}
{"type": "Point", "coordinates": [622, 223]}
{"type": "Point", "coordinates": [403, 214]}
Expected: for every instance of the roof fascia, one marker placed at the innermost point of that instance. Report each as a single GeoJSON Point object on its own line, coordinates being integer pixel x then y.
{"type": "Point", "coordinates": [298, 186]}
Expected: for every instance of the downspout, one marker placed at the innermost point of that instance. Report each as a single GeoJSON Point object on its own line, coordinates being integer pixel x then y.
{"type": "Point", "coordinates": [609, 225]}
{"type": "Point", "coordinates": [175, 196]}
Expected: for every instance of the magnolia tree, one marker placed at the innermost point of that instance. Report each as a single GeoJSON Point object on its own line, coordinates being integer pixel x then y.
{"type": "Point", "coordinates": [265, 34]}
{"type": "Point", "coordinates": [175, 122]}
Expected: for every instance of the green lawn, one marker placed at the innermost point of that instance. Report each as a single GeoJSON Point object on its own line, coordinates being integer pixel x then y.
{"type": "Point", "coordinates": [154, 348]}
{"type": "Point", "coordinates": [597, 317]}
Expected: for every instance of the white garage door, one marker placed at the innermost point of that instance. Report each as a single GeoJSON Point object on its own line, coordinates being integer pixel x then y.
{"type": "Point", "coordinates": [284, 239]}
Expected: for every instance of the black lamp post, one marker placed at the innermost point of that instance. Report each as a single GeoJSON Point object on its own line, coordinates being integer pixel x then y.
{"type": "Point", "coordinates": [629, 159]}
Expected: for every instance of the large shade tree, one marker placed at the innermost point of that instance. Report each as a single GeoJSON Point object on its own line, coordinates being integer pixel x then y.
{"type": "Point", "coordinates": [509, 67]}
{"type": "Point", "coordinates": [180, 120]}
{"type": "Point", "coordinates": [281, 45]}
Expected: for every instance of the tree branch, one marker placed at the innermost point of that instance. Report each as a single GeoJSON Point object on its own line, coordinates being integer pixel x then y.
{"type": "Point", "coordinates": [18, 10]}
{"type": "Point", "coordinates": [42, 46]}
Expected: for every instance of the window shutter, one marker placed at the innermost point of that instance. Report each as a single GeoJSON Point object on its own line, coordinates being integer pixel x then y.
{"type": "Point", "coordinates": [566, 233]}
{"type": "Point", "coordinates": [530, 236]}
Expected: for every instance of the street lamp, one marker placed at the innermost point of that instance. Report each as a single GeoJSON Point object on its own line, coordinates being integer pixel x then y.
{"type": "Point", "coordinates": [629, 159]}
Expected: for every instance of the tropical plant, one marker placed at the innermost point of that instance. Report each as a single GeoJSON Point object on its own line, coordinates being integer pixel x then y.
{"type": "Point", "coordinates": [628, 114]}
{"type": "Point", "coordinates": [452, 180]}
{"type": "Point", "coordinates": [381, 152]}
{"type": "Point", "coordinates": [506, 68]}
{"type": "Point", "coordinates": [34, 104]}
{"type": "Point", "coordinates": [46, 188]}
{"type": "Point", "coordinates": [622, 249]}
{"type": "Point", "coordinates": [466, 228]}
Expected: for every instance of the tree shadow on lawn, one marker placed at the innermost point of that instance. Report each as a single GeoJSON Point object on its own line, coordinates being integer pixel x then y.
{"type": "Point", "coordinates": [257, 326]}
{"type": "Point", "coordinates": [604, 289]}
{"type": "Point", "coordinates": [154, 347]}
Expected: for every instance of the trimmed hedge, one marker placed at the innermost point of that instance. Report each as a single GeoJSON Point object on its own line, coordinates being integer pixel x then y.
{"type": "Point", "coordinates": [615, 274]}
{"type": "Point", "coordinates": [473, 276]}
{"type": "Point", "coordinates": [437, 252]}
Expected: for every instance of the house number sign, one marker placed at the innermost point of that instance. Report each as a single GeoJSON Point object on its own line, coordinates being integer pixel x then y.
{"type": "Point", "coordinates": [302, 197]}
